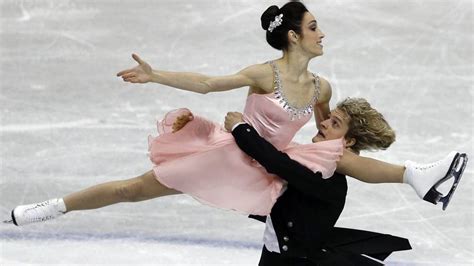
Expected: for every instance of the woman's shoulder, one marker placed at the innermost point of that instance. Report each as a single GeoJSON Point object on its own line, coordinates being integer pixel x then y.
{"type": "Point", "coordinates": [258, 70]}
{"type": "Point", "coordinates": [262, 75]}
{"type": "Point", "coordinates": [325, 90]}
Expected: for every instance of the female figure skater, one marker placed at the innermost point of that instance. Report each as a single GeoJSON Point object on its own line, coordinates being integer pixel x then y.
{"type": "Point", "coordinates": [203, 160]}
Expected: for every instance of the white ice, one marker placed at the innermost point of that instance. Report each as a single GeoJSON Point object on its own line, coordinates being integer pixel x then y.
{"type": "Point", "coordinates": [68, 123]}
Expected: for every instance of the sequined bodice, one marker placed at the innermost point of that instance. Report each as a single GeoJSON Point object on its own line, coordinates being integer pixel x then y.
{"type": "Point", "coordinates": [273, 117]}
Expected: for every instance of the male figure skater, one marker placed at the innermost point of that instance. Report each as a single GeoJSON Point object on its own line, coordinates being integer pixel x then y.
{"type": "Point", "coordinates": [300, 229]}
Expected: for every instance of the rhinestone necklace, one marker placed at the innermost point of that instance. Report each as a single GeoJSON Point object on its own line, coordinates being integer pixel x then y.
{"type": "Point", "coordinates": [293, 111]}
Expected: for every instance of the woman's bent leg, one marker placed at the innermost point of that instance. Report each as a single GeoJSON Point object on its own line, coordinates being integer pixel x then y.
{"type": "Point", "coordinates": [136, 189]}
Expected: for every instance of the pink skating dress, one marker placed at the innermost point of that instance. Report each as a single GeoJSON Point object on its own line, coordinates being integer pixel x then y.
{"type": "Point", "coordinates": [203, 160]}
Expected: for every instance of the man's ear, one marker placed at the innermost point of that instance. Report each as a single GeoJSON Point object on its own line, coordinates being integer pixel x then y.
{"type": "Point", "coordinates": [349, 142]}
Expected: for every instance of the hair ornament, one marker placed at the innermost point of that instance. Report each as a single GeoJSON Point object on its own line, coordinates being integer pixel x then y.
{"type": "Point", "coordinates": [277, 22]}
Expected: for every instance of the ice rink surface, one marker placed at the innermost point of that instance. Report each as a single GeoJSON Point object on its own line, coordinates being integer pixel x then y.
{"type": "Point", "coordinates": [68, 123]}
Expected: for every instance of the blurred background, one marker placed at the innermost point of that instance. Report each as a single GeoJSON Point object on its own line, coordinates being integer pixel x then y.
{"type": "Point", "coordinates": [67, 122]}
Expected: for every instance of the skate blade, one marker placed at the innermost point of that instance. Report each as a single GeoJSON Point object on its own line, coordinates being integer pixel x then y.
{"type": "Point", "coordinates": [457, 174]}
{"type": "Point", "coordinates": [455, 171]}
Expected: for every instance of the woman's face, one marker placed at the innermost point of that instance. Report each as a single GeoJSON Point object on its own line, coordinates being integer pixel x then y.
{"type": "Point", "coordinates": [311, 35]}
{"type": "Point", "coordinates": [335, 127]}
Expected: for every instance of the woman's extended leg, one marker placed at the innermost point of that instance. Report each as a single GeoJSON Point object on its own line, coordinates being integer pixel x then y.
{"type": "Point", "coordinates": [423, 178]}
{"type": "Point", "coordinates": [136, 189]}
{"type": "Point", "coordinates": [140, 188]}
{"type": "Point", "coordinates": [369, 170]}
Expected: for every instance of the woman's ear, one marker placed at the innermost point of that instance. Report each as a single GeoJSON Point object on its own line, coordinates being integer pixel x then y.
{"type": "Point", "coordinates": [293, 36]}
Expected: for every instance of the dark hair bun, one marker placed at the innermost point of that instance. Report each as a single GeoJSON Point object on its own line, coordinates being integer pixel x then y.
{"type": "Point", "coordinates": [268, 16]}
{"type": "Point", "coordinates": [293, 13]}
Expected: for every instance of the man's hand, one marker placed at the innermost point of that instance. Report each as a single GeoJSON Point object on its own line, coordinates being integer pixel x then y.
{"type": "Point", "coordinates": [231, 119]}
{"type": "Point", "coordinates": [181, 121]}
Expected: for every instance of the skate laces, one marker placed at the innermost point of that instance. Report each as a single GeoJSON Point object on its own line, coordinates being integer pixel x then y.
{"type": "Point", "coordinates": [427, 166]}
{"type": "Point", "coordinates": [41, 212]}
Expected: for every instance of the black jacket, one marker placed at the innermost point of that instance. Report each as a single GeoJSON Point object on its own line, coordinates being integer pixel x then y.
{"type": "Point", "coordinates": [305, 215]}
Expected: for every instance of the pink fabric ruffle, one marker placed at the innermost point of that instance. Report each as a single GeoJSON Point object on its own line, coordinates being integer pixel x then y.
{"type": "Point", "coordinates": [319, 157]}
{"type": "Point", "coordinates": [203, 161]}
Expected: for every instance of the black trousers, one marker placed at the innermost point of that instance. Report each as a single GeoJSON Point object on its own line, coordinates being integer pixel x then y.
{"type": "Point", "coordinates": [330, 258]}
{"type": "Point", "coordinates": [344, 247]}
{"type": "Point", "coordinates": [275, 259]}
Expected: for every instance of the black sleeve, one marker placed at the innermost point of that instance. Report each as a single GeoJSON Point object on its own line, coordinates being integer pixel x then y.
{"type": "Point", "coordinates": [280, 164]}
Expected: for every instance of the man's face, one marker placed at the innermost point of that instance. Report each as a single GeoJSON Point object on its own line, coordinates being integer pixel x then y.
{"type": "Point", "coordinates": [335, 127]}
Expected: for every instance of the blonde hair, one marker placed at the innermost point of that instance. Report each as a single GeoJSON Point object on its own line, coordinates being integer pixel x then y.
{"type": "Point", "coordinates": [366, 125]}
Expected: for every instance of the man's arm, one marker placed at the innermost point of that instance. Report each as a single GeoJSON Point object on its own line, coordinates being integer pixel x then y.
{"type": "Point", "coordinates": [279, 163]}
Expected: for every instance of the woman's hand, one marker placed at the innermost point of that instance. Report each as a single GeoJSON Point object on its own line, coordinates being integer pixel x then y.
{"type": "Point", "coordinates": [181, 121]}
{"type": "Point", "coordinates": [139, 74]}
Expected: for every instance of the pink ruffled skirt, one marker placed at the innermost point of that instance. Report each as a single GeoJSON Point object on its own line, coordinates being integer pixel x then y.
{"type": "Point", "coordinates": [203, 160]}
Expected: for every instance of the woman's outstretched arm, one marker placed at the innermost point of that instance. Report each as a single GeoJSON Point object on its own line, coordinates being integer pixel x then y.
{"type": "Point", "coordinates": [254, 75]}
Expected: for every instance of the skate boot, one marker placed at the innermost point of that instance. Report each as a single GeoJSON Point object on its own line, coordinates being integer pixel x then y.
{"type": "Point", "coordinates": [38, 212]}
{"type": "Point", "coordinates": [426, 178]}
